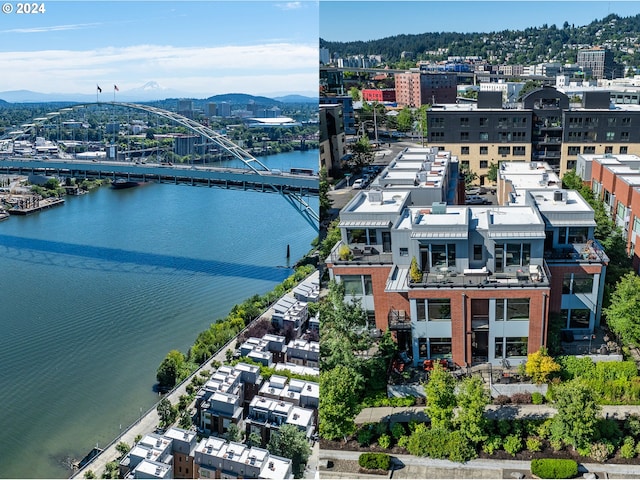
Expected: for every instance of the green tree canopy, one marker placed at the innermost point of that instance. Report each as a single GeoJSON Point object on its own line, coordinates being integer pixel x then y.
{"type": "Point", "coordinates": [623, 313]}
{"type": "Point", "coordinates": [577, 414]}
{"type": "Point", "coordinates": [338, 405]}
{"type": "Point", "coordinates": [404, 120]}
{"type": "Point", "coordinates": [362, 151]}
{"type": "Point", "coordinates": [441, 399]}
{"type": "Point", "coordinates": [290, 442]}
{"type": "Point", "coordinates": [471, 400]}
{"type": "Point", "coordinates": [169, 369]}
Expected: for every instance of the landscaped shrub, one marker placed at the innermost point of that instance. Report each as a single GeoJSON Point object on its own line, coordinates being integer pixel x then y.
{"type": "Point", "coordinates": [599, 452]}
{"type": "Point", "coordinates": [504, 427]}
{"type": "Point", "coordinates": [492, 444]}
{"type": "Point", "coordinates": [521, 398]}
{"type": "Point", "coordinates": [609, 429]}
{"type": "Point", "coordinates": [375, 461]}
{"type": "Point", "coordinates": [403, 441]}
{"type": "Point", "coordinates": [537, 398]}
{"type": "Point", "coordinates": [365, 435]}
{"type": "Point", "coordinates": [384, 441]}
{"type": "Point", "coordinates": [616, 370]}
{"type": "Point", "coordinates": [628, 449]}
{"type": "Point", "coordinates": [556, 444]}
{"type": "Point", "coordinates": [576, 367]}
{"type": "Point", "coordinates": [397, 430]}
{"type": "Point", "coordinates": [460, 449]}
{"type": "Point", "coordinates": [512, 445]}
{"type": "Point", "coordinates": [502, 400]}
{"type": "Point", "coordinates": [380, 428]}
{"type": "Point", "coordinates": [534, 444]}
{"type": "Point", "coordinates": [632, 425]}
{"type": "Point", "coordinates": [554, 468]}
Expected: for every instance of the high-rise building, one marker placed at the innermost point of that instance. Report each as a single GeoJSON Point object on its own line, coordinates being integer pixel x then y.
{"type": "Point", "coordinates": [600, 61]}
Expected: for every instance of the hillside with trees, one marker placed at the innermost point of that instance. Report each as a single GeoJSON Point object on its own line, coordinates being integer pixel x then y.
{"type": "Point", "coordinates": [528, 46]}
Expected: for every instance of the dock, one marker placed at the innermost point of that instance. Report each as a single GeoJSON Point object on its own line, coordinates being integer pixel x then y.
{"type": "Point", "coordinates": [28, 205]}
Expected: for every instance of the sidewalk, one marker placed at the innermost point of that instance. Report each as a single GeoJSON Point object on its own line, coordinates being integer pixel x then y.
{"type": "Point", "coordinates": [419, 467]}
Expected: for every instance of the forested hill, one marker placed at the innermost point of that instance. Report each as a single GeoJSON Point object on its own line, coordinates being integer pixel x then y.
{"type": "Point", "coordinates": [529, 46]}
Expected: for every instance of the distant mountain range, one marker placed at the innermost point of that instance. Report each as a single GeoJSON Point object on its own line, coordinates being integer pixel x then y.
{"type": "Point", "coordinates": [149, 92]}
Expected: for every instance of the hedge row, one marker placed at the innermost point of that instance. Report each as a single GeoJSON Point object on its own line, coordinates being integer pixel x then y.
{"type": "Point", "coordinates": [554, 468]}
{"type": "Point", "coordinates": [375, 461]}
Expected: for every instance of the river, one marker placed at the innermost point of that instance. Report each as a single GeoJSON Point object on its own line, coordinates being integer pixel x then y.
{"type": "Point", "coordinates": [93, 294]}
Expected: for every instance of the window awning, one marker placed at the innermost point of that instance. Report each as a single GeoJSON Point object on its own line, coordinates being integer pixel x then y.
{"type": "Point", "coordinates": [441, 235]}
{"type": "Point", "coordinates": [365, 223]}
{"type": "Point", "coordinates": [516, 235]}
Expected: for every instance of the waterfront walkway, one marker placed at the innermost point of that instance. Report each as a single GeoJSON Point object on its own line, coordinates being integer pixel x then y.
{"type": "Point", "coordinates": [410, 467]}
{"type": "Point", "coordinates": [150, 420]}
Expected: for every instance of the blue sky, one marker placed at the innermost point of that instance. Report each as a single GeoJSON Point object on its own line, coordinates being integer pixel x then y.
{"type": "Point", "coordinates": [367, 20]}
{"type": "Point", "coordinates": [202, 47]}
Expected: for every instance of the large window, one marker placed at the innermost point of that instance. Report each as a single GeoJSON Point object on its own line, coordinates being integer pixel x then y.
{"type": "Point", "coordinates": [439, 309]}
{"type": "Point", "coordinates": [512, 309]}
{"type": "Point", "coordinates": [573, 235]}
{"type": "Point", "coordinates": [443, 255]}
{"type": "Point", "coordinates": [422, 348]}
{"type": "Point", "coordinates": [577, 283]}
{"type": "Point", "coordinates": [517, 254]}
{"type": "Point", "coordinates": [511, 347]}
{"type": "Point", "coordinates": [440, 347]}
{"type": "Point", "coordinates": [576, 317]}
{"type": "Point", "coordinates": [357, 284]}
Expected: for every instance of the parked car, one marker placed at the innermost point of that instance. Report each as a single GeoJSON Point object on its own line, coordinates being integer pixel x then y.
{"type": "Point", "coordinates": [475, 200]}
{"type": "Point", "coordinates": [359, 183]}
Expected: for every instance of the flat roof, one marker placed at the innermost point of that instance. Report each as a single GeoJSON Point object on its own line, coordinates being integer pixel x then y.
{"type": "Point", "coordinates": [378, 201]}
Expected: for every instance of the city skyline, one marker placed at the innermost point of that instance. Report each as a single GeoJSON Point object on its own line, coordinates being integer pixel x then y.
{"type": "Point", "coordinates": [373, 20]}
{"type": "Point", "coordinates": [199, 48]}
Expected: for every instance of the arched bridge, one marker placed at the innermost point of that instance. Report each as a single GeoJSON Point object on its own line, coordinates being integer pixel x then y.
{"type": "Point", "coordinates": [256, 176]}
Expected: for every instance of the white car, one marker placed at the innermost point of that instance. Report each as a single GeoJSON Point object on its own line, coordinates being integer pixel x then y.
{"type": "Point", "coordinates": [359, 183]}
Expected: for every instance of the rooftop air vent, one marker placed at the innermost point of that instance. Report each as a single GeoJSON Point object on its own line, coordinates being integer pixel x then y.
{"type": "Point", "coordinates": [439, 208]}
{"type": "Point", "coordinates": [375, 196]}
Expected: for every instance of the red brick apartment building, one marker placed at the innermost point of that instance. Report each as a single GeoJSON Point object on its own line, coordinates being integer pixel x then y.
{"type": "Point", "coordinates": [615, 179]}
{"type": "Point", "coordinates": [379, 95]}
{"type": "Point", "coordinates": [489, 276]}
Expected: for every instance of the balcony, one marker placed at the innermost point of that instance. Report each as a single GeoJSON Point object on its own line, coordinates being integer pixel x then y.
{"type": "Point", "coordinates": [359, 254]}
{"type": "Point", "coordinates": [590, 252]}
{"type": "Point", "coordinates": [399, 320]}
{"type": "Point", "coordinates": [528, 276]}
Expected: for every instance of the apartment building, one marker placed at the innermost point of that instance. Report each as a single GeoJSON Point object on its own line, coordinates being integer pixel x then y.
{"type": "Point", "coordinates": [215, 458]}
{"type": "Point", "coordinates": [151, 457]}
{"type": "Point", "coordinates": [379, 95]}
{"type": "Point", "coordinates": [303, 352]}
{"type": "Point", "coordinates": [485, 278]}
{"type": "Point", "coordinates": [544, 128]}
{"type": "Point", "coordinates": [267, 415]}
{"type": "Point", "coordinates": [615, 179]}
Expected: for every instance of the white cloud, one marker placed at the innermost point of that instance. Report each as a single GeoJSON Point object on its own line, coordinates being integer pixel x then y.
{"type": "Point", "coordinates": [53, 28]}
{"type": "Point", "coordinates": [289, 5]}
{"type": "Point", "coordinates": [69, 71]}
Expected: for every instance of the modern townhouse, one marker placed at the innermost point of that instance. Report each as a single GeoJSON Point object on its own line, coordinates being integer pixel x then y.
{"type": "Point", "coordinates": [468, 284]}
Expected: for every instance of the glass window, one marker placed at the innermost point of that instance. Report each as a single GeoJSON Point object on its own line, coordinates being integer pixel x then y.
{"type": "Point", "coordinates": [578, 234]}
{"type": "Point", "coordinates": [499, 348]}
{"type": "Point", "coordinates": [518, 254]}
{"type": "Point", "coordinates": [484, 164]}
{"type": "Point", "coordinates": [371, 233]}
{"type": "Point", "coordinates": [439, 309]}
{"type": "Point", "coordinates": [624, 150]}
{"type": "Point", "coordinates": [636, 224]}
{"type": "Point", "coordinates": [356, 236]}
{"type": "Point", "coordinates": [404, 252]}
{"type": "Point", "coordinates": [516, 346]}
{"type": "Point", "coordinates": [582, 283]}
{"type": "Point", "coordinates": [464, 150]}
{"type": "Point", "coordinates": [574, 151]}
{"type": "Point", "coordinates": [579, 318]}
{"type": "Point", "coordinates": [352, 284]}
{"type": "Point", "coordinates": [451, 255]}
{"type": "Point", "coordinates": [477, 252]}
{"type": "Point", "coordinates": [517, 309]}
{"type": "Point", "coordinates": [438, 256]}
{"type": "Point", "coordinates": [440, 347]}
{"type": "Point", "coordinates": [484, 136]}
{"type": "Point", "coordinates": [421, 310]}
{"type": "Point", "coordinates": [368, 285]}
{"type": "Point", "coordinates": [422, 347]}
{"type": "Point", "coordinates": [566, 283]}
{"type": "Point", "coordinates": [504, 150]}
{"type": "Point", "coordinates": [484, 150]}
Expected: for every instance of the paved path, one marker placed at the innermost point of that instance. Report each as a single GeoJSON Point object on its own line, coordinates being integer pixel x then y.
{"type": "Point", "coordinates": [404, 414]}
{"type": "Point", "coordinates": [420, 467]}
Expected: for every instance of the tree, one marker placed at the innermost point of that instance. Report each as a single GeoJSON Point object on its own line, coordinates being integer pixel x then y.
{"type": "Point", "coordinates": [290, 442]}
{"type": "Point", "coordinates": [123, 448]}
{"type": "Point", "coordinates": [622, 314]}
{"type": "Point", "coordinates": [355, 94]}
{"type": "Point", "coordinates": [472, 400]}
{"type": "Point", "coordinates": [166, 412]}
{"type": "Point", "coordinates": [233, 433]}
{"type": "Point", "coordinates": [254, 440]}
{"type": "Point", "coordinates": [415, 274]}
{"type": "Point", "coordinates": [362, 151]}
{"type": "Point", "coordinates": [469, 176]}
{"type": "Point", "coordinates": [168, 370]}
{"type": "Point", "coordinates": [441, 399]}
{"type": "Point", "coordinates": [492, 174]}
{"type": "Point", "coordinates": [338, 402]}
{"type": "Point", "coordinates": [540, 366]}
{"type": "Point", "coordinates": [404, 120]}
{"type": "Point", "coordinates": [89, 474]}
{"type": "Point", "coordinates": [577, 414]}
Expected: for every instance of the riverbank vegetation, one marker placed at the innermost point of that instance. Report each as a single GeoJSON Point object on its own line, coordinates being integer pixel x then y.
{"type": "Point", "coordinates": [177, 366]}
